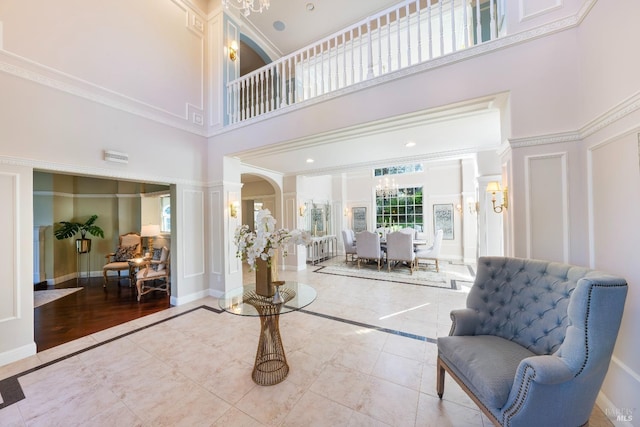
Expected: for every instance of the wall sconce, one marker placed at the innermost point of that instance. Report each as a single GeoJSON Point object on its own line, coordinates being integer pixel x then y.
{"type": "Point", "coordinates": [233, 209]}
{"type": "Point", "coordinates": [302, 209]}
{"type": "Point", "coordinates": [472, 205]}
{"type": "Point", "coordinates": [493, 187]}
{"type": "Point", "coordinates": [346, 211]}
{"type": "Point", "coordinates": [459, 208]}
{"type": "Point", "coordinates": [233, 50]}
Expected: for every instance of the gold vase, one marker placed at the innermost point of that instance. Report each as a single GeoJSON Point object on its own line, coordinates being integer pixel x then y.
{"type": "Point", "coordinates": [264, 280]}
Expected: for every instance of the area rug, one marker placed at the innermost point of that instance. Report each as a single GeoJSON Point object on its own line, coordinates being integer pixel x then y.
{"type": "Point", "coordinates": [44, 297]}
{"type": "Point", "coordinates": [400, 274]}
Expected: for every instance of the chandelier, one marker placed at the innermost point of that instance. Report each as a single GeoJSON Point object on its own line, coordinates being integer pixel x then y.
{"type": "Point", "coordinates": [387, 189]}
{"type": "Point", "coordinates": [247, 6]}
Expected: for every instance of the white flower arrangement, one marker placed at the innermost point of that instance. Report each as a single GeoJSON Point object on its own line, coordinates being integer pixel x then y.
{"type": "Point", "coordinates": [264, 242]}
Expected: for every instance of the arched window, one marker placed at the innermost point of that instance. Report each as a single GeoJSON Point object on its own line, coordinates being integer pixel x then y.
{"type": "Point", "coordinates": [165, 209]}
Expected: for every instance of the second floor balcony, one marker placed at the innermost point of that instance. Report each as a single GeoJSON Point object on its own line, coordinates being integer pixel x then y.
{"type": "Point", "coordinates": [390, 43]}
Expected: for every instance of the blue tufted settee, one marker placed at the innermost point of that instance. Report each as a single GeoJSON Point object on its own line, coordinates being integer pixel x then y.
{"type": "Point", "coordinates": [534, 344]}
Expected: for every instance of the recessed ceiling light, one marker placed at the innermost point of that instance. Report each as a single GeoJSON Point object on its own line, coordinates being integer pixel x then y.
{"type": "Point", "coordinates": [310, 160]}
{"type": "Point", "coordinates": [410, 144]}
{"type": "Point", "coordinates": [279, 25]}
{"type": "Point", "coordinates": [310, 7]}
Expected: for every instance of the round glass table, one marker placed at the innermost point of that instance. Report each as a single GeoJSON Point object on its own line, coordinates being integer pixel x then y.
{"type": "Point", "coordinates": [270, 366]}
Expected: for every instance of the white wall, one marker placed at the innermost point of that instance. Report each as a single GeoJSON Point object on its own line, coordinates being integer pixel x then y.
{"type": "Point", "coordinates": [16, 263]}
{"type": "Point", "coordinates": [149, 54]}
{"type": "Point", "coordinates": [611, 162]}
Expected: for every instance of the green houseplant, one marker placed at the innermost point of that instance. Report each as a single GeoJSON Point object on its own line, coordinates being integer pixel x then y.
{"type": "Point", "coordinates": [68, 229]}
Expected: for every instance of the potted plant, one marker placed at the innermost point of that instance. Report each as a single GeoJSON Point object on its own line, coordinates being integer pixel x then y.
{"type": "Point", "coordinates": [68, 229]}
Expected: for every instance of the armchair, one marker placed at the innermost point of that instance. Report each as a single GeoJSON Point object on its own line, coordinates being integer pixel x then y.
{"type": "Point", "coordinates": [129, 246]}
{"type": "Point", "coordinates": [534, 344]}
{"type": "Point", "coordinates": [154, 275]}
{"type": "Point", "coordinates": [368, 247]}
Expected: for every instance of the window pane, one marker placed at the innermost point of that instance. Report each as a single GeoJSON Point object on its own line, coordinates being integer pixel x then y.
{"type": "Point", "coordinates": [403, 210]}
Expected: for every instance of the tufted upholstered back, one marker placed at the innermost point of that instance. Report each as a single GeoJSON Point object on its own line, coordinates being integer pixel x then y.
{"type": "Point", "coordinates": [525, 300]}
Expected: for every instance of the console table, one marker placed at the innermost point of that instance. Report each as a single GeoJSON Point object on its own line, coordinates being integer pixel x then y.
{"type": "Point", "coordinates": [270, 366]}
{"type": "Point", "coordinates": [322, 248]}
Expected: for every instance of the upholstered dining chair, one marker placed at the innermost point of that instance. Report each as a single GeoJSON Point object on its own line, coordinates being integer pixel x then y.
{"type": "Point", "coordinates": [535, 341]}
{"type": "Point", "coordinates": [368, 247]}
{"type": "Point", "coordinates": [400, 249]}
{"type": "Point", "coordinates": [129, 246]}
{"type": "Point", "coordinates": [409, 231]}
{"type": "Point", "coordinates": [154, 275]}
{"type": "Point", "coordinates": [349, 245]}
{"type": "Point", "coordinates": [431, 253]}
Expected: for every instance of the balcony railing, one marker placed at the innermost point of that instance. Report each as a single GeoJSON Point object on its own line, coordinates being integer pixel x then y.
{"type": "Point", "coordinates": [407, 34]}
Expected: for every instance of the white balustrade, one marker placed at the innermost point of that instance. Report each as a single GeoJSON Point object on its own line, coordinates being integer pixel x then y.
{"type": "Point", "coordinates": [410, 33]}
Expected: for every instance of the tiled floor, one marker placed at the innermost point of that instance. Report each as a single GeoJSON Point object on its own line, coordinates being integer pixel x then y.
{"type": "Point", "coordinates": [191, 365]}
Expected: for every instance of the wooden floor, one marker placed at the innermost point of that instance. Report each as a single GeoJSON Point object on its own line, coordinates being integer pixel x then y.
{"type": "Point", "coordinates": [90, 310]}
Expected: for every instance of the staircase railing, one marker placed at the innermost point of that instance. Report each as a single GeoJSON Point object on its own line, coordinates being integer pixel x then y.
{"type": "Point", "coordinates": [407, 34]}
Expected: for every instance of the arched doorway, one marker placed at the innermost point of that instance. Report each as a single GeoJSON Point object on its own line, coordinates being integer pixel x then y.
{"type": "Point", "coordinates": [259, 192]}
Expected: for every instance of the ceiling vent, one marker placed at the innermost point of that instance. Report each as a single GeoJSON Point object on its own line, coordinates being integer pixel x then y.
{"type": "Point", "coordinates": [115, 156]}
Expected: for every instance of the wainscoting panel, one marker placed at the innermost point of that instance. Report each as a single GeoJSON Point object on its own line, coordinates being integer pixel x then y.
{"type": "Point", "coordinates": [193, 231]}
{"type": "Point", "coordinates": [9, 249]}
{"type": "Point", "coordinates": [217, 235]}
{"type": "Point", "coordinates": [547, 207]}
{"type": "Point", "coordinates": [531, 9]}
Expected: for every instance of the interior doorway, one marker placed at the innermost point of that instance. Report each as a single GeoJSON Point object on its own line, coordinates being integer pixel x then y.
{"type": "Point", "coordinates": [77, 304]}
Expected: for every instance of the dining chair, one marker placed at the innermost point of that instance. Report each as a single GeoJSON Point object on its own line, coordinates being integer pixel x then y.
{"type": "Point", "coordinates": [431, 253]}
{"type": "Point", "coordinates": [349, 245]}
{"type": "Point", "coordinates": [368, 247]}
{"type": "Point", "coordinates": [400, 249]}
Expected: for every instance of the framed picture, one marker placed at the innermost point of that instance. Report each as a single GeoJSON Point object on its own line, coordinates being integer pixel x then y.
{"type": "Point", "coordinates": [317, 221]}
{"type": "Point", "coordinates": [443, 220]}
{"type": "Point", "coordinates": [359, 219]}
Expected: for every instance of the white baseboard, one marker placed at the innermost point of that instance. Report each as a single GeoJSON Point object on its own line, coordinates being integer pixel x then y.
{"type": "Point", "coordinates": [60, 279]}
{"type": "Point", "coordinates": [16, 354]}
{"type": "Point", "coordinates": [618, 417]}
{"type": "Point", "coordinates": [83, 275]}
{"type": "Point", "coordinates": [189, 298]}
{"type": "Point", "coordinates": [215, 293]}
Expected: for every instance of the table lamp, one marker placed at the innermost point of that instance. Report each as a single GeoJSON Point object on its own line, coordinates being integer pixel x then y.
{"type": "Point", "coordinates": [150, 231]}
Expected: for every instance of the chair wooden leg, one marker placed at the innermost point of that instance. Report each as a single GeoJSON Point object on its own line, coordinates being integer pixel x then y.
{"type": "Point", "coordinates": [437, 266]}
{"type": "Point", "coordinates": [440, 379]}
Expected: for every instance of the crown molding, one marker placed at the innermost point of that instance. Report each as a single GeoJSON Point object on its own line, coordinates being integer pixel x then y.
{"type": "Point", "coordinates": [26, 69]}
{"type": "Point", "coordinates": [615, 113]}
{"type": "Point", "coordinates": [192, 120]}
{"type": "Point", "coordinates": [556, 138]}
{"type": "Point", "coordinates": [88, 196]}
